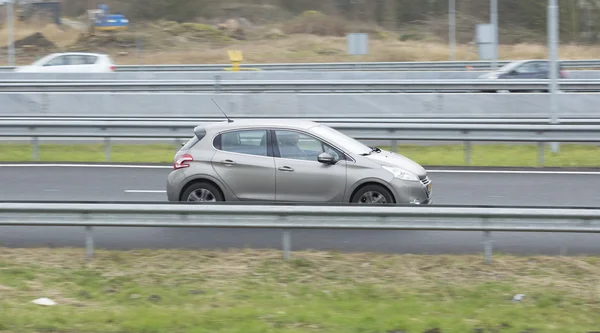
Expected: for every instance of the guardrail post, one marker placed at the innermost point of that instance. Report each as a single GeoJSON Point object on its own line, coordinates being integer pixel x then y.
{"type": "Point", "coordinates": [89, 243]}
{"type": "Point", "coordinates": [487, 246]}
{"type": "Point", "coordinates": [107, 149]}
{"type": "Point", "coordinates": [541, 148]}
{"type": "Point", "coordinates": [395, 146]}
{"type": "Point", "coordinates": [467, 152]}
{"type": "Point", "coordinates": [217, 83]}
{"type": "Point", "coordinates": [286, 244]}
{"type": "Point", "coordinates": [36, 148]}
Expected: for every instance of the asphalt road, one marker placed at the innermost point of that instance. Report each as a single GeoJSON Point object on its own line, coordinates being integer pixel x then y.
{"type": "Point", "coordinates": [54, 183]}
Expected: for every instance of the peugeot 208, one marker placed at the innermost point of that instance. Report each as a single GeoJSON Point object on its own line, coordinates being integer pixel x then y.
{"type": "Point", "coordinates": [291, 161]}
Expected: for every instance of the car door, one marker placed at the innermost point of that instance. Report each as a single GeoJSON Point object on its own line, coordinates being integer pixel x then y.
{"type": "Point", "coordinates": [244, 162]}
{"type": "Point", "coordinates": [81, 63]}
{"type": "Point", "coordinates": [527, 70]}
{"type": "Point", "coordinates": [543, 70]}
{"type": "Point", "coordinates": [299, 176]}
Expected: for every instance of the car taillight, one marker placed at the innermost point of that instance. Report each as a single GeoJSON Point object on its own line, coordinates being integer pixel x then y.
{"type": "Point", "coordinates": [181, 161]}
{"type": "Point", "coordinates": [113, 68]}
{"type": "Point", "coordinates": [563, 73]}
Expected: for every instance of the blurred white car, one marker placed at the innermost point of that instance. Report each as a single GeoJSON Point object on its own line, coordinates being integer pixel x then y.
{"type": "Point", "coordinates": [73, 62]}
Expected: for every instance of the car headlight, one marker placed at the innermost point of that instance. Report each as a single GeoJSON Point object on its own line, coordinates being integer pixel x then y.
{"type": "Point", "coordinates": [401, 173]}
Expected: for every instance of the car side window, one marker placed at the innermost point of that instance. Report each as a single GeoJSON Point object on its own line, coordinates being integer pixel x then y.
{"type": "Point", "coordinates": [58, 61]}
{"type": "Point", "coordinates": [543, 67]}
{"type": "Point", "coordinates": [82, 60]}
{"type": "Point", "coordinates": [527, 68]}
{"type": "Point", "coordinates": [251, 142]}
{"type": "Point", "coordinates": [299, 146]}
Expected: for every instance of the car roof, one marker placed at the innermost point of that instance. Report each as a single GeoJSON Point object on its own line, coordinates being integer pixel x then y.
{"type": "Point", "coordinates": [240, 123]}
{"type": "Point", "coordinates": [80, 53]}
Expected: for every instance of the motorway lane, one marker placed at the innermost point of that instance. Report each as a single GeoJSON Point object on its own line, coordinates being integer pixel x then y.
{"type": "Point", "coordinates": [146, 184]}
{"type": "Point", "coordinates": [73, 183]}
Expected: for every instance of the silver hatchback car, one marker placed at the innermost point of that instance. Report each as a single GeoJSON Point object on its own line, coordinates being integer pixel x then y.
{"type": "Point", "coordinates": [291, 161]}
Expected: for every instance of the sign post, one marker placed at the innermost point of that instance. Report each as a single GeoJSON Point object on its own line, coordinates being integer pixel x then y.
{"type": "Point", "coordinates": [553, 62]}
{"type": "Point", "coordinates": [236, 58]}
{"type": "Point", "coordinates": [452, 28]}
{"type": "Point", "coordinates": [494, 23]}
{"type": "Point", "coordinates": [11, 28]}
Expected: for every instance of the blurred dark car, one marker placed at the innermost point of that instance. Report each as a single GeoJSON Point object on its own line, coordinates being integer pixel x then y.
{"type": "Point", "coordinates": [524, 69]}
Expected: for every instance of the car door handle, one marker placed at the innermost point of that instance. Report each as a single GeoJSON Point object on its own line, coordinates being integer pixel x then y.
{"type": "Point", "coordinates": [228, 162]}
{"type": "Point", "coordinates": [286, 168]}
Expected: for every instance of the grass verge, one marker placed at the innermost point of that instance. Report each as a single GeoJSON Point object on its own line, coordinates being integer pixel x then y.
{"type": "Point", "coordinates": [521, 155]}
{"type": "Point", "coordinates": [310, 48]}
{"type": "Point", "coordinates": [256, 291]}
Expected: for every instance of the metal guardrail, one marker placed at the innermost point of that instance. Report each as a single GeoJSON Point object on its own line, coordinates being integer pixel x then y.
{"type": "Point", "coordinates": [466, 133]}
{"type": "Point", "coordinates": [322, 120]}
{"type": "Point", "coordinates": [296, 86]}
{"type": "Point", "coordinates": [342, 66]}
{"type": "Point", "coordinates": [273, 75]}
{"type": "Point", "coordinates": [290, 217]}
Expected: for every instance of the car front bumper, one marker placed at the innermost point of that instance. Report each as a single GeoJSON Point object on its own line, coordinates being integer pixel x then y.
{"type": "Point", "coordinates": [412, 192]}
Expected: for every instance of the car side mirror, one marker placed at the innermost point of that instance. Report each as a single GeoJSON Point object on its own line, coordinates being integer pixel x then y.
{"type": "Point", "coordinates": [326, 159]}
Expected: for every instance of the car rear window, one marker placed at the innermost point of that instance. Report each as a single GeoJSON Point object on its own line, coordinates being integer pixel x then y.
{"type": "Point", "coordinates": [191, 142]}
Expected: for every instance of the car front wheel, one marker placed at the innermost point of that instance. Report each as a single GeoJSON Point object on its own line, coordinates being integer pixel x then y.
{"type": "Point", "coordinates": [373, 195]}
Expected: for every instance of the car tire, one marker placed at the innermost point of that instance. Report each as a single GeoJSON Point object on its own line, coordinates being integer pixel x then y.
{"type": "Point", "coordinates": [202, 192]}
{"type": "Point", "coordinates": [376, 194]}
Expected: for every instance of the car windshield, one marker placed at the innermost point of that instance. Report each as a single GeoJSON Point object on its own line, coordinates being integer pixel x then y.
{"type": "Point", "coordinates": [510, 66]}
{"type": "Point", "coordinates": [351, 145]}
{"type": "Point", "coordinates": [43, 60]}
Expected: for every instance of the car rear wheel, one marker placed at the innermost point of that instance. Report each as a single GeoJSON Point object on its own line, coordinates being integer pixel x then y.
{"type": "Point", "coordinates": [373, 195]}
{"type": "Point", "coordinates": [202, 192]}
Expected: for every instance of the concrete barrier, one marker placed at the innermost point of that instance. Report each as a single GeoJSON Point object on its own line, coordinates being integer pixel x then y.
{"type": "Point", "coordinates": [271, 75]}
{"type": "Point", "coordinates": [532, 105]}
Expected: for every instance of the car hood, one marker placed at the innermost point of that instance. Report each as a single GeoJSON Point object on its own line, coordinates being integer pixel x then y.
{"type": "Point", "coordinates": [25, 69]}
{"type": "Point", "coordinates": [491, 75]}
{"type": "Point", "coordinates": [388, 158]}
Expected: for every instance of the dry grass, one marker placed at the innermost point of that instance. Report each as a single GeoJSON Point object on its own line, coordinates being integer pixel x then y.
{"type": "Point", "coordinates": [295, 48]}
{"type": "Point", "coordinates": [256, 291]}
{"type": "Point", "coordinates": [310, 48]}
{"type": "Point", "coordinates": [61, 38]}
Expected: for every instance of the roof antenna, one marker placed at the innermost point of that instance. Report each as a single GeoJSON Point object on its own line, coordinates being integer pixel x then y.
{"type": "Point", "coordinates": [223, 112]}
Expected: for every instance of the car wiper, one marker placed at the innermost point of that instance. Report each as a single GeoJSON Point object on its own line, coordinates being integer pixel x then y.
{"type": "Point", "coordinates": [373, 149]}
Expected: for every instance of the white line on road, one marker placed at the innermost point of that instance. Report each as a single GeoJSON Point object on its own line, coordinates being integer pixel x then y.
{"type": "Point", "coordinates": [145, 191]}
{"type": "Point", "coordinates": [480, 171]}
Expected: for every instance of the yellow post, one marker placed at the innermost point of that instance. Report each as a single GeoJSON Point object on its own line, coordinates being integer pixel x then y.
{"type": "Point", "coordinates": [236, 58]}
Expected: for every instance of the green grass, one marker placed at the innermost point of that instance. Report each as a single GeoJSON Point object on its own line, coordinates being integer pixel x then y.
{"type": "Point", "coordinates": [444, 155]}
{"type": "Point", "coordinates": [256, 291]}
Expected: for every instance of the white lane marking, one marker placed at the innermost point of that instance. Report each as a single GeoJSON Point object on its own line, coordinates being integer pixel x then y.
{"type": "Point", "coordinates": [145, 191]}
{"type": "Point", "coordinates": [128, 166]}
